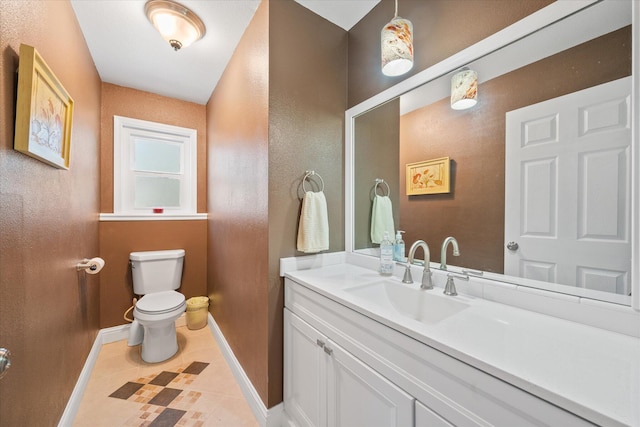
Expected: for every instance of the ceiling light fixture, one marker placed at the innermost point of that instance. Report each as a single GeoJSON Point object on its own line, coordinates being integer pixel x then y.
{"type": "Point", "coordinates": [396, 41]}
{"type": "Point", "coordinates": [178, 25]}
{"type": "Point", "coordinates": [464, 89]}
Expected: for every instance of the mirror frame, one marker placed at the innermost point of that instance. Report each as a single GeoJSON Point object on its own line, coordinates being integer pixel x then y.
{"type": "Point", "coordinates": [536, 21]}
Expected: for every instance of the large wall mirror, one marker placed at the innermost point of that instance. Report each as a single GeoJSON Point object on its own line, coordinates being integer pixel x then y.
{"type": "Point", "coordinates": [543, 169]}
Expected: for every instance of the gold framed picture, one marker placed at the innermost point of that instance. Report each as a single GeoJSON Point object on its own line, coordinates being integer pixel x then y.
{"type": "Point", "coordinates": [428, 177]}
{"type": "Point", "coordinates": [44, 112]}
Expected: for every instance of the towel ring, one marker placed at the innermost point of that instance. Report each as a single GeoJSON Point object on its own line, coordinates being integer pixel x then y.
{"type": "Point", "coordinates": [382, 181]}
{"type": "Point", "coordinates": [307, 175]}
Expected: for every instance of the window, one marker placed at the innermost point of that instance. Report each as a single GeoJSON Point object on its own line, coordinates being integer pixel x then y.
{"type": "Point", "coordinates": [154, 167]}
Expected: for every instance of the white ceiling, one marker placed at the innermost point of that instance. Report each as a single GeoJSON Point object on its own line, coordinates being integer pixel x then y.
{"type": "Point", "coordinates": [128, 51]}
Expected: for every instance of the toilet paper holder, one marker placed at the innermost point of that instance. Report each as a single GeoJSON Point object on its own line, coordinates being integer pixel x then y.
{"type": "Point", "coordinates": [91, 266]}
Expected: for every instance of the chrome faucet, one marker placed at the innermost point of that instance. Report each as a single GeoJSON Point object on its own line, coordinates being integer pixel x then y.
{"type": "Point", "coordinates": [426, 273]}
{"type": "Point", "coordinates": [443, 251]}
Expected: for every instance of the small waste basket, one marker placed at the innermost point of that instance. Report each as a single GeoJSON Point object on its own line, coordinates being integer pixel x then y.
{"type": "Point", "coordinates": [197, 312]}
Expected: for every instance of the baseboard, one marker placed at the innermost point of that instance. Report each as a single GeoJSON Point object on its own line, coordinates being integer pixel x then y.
{"type": "Point", "coordinates": [115, 333]}
{"type": "Point", "coordinates": [73, 403]}
{"type": "Point", "coordinates": [272, 417]}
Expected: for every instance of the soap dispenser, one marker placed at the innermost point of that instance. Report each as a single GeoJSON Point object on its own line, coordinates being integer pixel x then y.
{"type": "Point", "coordinates": [386, 256]}
{"type": "Point", "coordinates": [398, 247]}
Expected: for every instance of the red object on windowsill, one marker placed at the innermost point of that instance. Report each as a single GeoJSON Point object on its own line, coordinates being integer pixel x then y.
{"type": "Point", "coordinates": [158, 210]}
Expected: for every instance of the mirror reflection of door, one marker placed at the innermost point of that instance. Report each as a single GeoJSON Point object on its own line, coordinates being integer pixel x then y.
{"type": "Point", "coordinates": [571, 228]}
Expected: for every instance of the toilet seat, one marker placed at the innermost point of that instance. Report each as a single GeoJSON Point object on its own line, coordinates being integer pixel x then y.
{"type": "Point", "coordinates": [160, 302]}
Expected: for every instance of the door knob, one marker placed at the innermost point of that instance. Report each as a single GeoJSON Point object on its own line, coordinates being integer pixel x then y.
{"type": "Point", "coordinates": [5, 361]}
{"type": "Point", "coordinates": [512, 246]}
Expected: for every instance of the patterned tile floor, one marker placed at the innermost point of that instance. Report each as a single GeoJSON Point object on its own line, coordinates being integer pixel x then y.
{"type": "Point", "coordinates": [192, 389]}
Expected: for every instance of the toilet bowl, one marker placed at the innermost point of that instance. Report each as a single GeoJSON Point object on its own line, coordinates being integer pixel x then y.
{"type": "Point", "coordinates": [157, 313]}
{"type": "Point", "coordinates": [156, 276]}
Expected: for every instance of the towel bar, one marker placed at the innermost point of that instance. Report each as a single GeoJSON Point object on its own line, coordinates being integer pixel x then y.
{"type": "Point", "coordinates": [382, 181]}
{"type": "Point", "coordinates": [307, 175]}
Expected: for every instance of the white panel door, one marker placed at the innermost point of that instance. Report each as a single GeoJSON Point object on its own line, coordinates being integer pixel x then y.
{"type": "Point", "coordinates": [567, 186]}
{"type": "Point", "coordinates": [305, 391]}
{"type": "Point", "coordinates": [359, 396]}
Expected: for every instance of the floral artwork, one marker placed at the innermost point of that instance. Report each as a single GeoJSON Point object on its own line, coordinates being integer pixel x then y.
{"type": "Point", "coordinates": [46, 118]}
{"type": "Point", "coordinates": [428, 177]}
{"type": "Point", "coordinates": [44, 112]}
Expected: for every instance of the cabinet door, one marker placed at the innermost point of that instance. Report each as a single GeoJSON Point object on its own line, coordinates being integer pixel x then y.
{"type": "Point", "coordinates": [305, 374]}
{"type": "Point", "coordinates": [359, 396]}
{"type": "Point", "coordinates": [425, 417]}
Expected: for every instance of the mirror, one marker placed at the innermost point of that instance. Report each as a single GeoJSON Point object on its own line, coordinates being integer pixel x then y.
{"type": "Point", "coordinates": [568, 211]}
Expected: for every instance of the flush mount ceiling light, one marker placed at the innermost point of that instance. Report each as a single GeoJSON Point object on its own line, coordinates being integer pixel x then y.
{"type": "Point", "coordinates": [464, 89]}
{"type": "Point", "coordinates": [396, 41]}
{"type": "Point", "coordinates": [178, 25]}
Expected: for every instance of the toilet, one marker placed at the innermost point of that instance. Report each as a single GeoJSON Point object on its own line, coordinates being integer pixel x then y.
{"type": "Point", "coordinates": [156, 276]}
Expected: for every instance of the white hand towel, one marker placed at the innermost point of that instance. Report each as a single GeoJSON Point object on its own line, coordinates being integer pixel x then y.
{"type": "Point", "coordinates": [381, 219]}
{"type": "Point", "coordinates": [313, 230]}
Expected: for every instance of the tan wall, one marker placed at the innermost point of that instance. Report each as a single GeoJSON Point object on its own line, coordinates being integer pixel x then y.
{"type": "Point", "coordinates": [237, 137]}
{"type": "Point", "coordinates": [307, 100]}
{"type": "Point", "coordinates": [119, 238]}
{"type": "Point", "coordinates": [277, 111]}
{"type": "Point", "coordinates": [376, 156]}
{"type": "Point", "coordinates": [137, 104]}
{"type": "Point", "coordinates": [48, 223]}
{"type": "Point", "coordinates": [440, 29]}
{"type": "Point", "coordinates": [475, 141]}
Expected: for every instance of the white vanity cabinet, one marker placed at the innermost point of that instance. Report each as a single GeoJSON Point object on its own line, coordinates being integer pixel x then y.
{"type": "Point", "coordinates": [344, 368]}
{"type": "Point", "coordinates": [425, 417]}
{"type": "Point", "coordinates": [327, 386]}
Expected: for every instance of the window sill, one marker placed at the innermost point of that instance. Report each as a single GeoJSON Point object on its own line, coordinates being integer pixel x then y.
{"type": "Point", "coordinates": [153, 217]}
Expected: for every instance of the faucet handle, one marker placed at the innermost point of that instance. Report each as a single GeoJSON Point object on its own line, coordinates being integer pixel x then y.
{"type": "Point", "coordinates": [450, 287]}
{"type": "Point", "coordinates": [408, 278]}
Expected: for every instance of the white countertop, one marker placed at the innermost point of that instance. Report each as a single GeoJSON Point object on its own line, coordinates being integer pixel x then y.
{"type": "Point", "coordinates": [589, 371]}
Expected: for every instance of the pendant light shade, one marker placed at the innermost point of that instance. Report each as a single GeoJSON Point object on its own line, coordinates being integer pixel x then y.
{"type": "Point", "coordinates": [178, 25]}
{"type": "Point", "coordinates": [464, 89]}
{"type": "Point", "coordinates": [396, 41]}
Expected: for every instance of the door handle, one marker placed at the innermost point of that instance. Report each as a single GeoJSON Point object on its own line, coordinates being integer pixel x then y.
{"type": "Point", "coordinates": [512, 246]}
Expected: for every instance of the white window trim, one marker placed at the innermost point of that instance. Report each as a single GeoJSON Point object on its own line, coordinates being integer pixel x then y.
{"type": "Point", "coordinates": [152, 217]}
{"type": "Point", "coordinates": [122, 126]}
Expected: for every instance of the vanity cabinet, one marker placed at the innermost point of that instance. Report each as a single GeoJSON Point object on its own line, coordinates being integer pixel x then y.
{"type": "Point", "coordinates": [327, 386]}
{"type": "Point", "coordinates": [345, 368]}
{"type": "Point", "coordinates": [425, 417]}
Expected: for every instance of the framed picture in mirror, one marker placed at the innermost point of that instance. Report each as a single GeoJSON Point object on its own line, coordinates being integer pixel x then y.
{"type": "Point", "coordinates": [428, 177]}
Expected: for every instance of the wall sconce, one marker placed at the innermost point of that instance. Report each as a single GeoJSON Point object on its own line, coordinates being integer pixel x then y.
{"type": "Point", "coordinates": [396, 40]}
{"type": "Point", "coordinates": [464, 89]}
{"type": "Point", "coordinates": [176, 24]}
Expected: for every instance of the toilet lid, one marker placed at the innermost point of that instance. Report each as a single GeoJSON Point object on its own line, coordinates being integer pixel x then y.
{"type": "Point", "coordinates": [160, 302]}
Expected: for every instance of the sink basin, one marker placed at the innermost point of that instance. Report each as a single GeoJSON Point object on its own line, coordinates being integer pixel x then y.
{"type": "Point", "coordinates": [425, 306]}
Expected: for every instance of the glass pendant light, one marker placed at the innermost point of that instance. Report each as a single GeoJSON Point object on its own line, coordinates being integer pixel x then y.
{"type": "Point", "coordinates": [464, 89]}
{"type": "Point", "coordinates": [397, 46]}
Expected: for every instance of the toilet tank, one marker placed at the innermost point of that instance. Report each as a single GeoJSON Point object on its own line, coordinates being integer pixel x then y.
{"type": "Point", "coordinates": [156, 271]}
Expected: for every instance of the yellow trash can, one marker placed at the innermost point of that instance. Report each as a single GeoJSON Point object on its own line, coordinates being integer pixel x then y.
{"type": "Point", "coordinates": [197, 312]}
